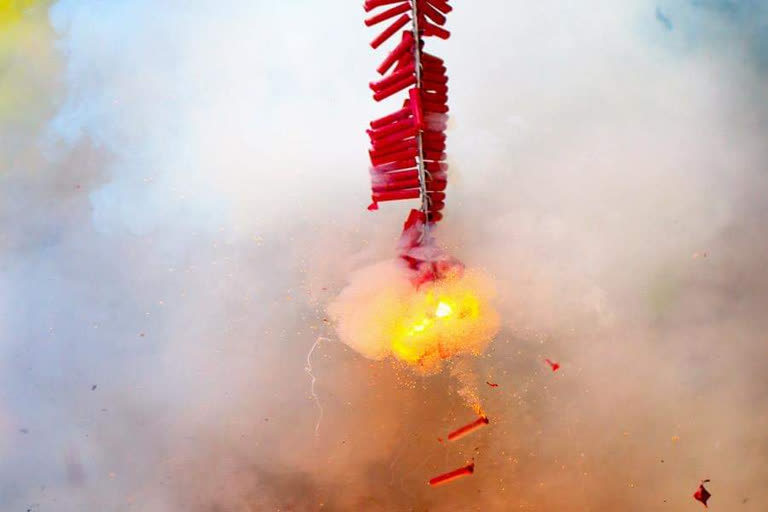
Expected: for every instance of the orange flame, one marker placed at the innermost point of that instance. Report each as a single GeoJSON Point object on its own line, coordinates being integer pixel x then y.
{"type": "Point", "coordinates": [444, 319]}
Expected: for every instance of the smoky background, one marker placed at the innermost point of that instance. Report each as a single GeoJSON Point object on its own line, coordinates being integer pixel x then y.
{"type": "Point", "coordinates": [183, 193]}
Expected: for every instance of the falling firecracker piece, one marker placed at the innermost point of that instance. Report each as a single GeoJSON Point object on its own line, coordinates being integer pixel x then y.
{"type": "Point", "coordinates": [702, 494]}
{"type": "Point", "coordinates": [439, 439]}
{"type": "Point", "coordinates": [468, 429]}
{"type": "Point", "coordinates": [555, 366]}
{"type": "Point", "coordinates": [453, 475]}
{"type": "Point", "coordinates": [492, 384]}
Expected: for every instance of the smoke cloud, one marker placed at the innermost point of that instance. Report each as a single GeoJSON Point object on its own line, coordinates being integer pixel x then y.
{"type": "Point", "coordinates": [182, 196]}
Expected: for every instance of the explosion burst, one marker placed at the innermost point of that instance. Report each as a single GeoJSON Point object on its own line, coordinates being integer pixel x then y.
{"type": "Point", "coordinates": [441, 320]}
{"type": "Point", "coordinates": [382, 315]}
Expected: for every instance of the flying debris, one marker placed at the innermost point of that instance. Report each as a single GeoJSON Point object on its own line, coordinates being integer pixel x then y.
{"type": "Point", "coordinates": [555, 366]}
{"type": "Point", "coordinates": [492, 384]}
{"type": "Point", "coordinates": [702, 494]}
{"type": "Point", "coordinates": [468, 429]}
{"type": "Point", "coordinates": [453, 475]}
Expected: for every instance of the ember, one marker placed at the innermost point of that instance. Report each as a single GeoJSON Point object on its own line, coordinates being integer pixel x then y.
{"type": "Point", "coordinates": [468, 429]}
{"type": "Point", "coordinates": [453, 475]}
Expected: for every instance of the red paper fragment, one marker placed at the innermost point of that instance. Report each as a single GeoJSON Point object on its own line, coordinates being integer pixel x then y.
{"type": "Point", "coordinates": [468, 429]}
{"type": "Point", "coordinates": [555, 366]}
{"type": "Point", "coordinates": [702, 494]}
{"type": "Point", "coordinates": [492, 384]}
{"type": "Point", "coordinates": [453, 475]}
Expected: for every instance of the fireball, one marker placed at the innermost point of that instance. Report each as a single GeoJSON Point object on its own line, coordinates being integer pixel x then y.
{"type": "Point", "coordinates": [439, 322]}
{"type": "Point", "coordinates": [381, 314]}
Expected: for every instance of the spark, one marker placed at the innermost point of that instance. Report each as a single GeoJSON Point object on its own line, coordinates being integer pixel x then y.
{"type": "Point", "coordinates": [308, 369]}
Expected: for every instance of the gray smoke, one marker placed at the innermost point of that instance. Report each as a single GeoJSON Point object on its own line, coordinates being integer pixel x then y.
{"type": "Point", "coordinates": [189, 195]}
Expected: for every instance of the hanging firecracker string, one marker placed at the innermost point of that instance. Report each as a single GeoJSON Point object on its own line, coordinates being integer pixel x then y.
{"type": "Point", "coordinates": [408, 146]}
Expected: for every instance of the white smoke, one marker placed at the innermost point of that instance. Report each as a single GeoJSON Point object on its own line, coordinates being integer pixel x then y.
{"type": "Point", "coordinates": [174, 232]}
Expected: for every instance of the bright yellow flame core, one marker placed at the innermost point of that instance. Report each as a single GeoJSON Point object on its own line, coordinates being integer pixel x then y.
{"type": "Point", "coordinates": [443, 310]}
{"type": "Point", "coordinates": [380, 315]}
{"type": "Point", "coordinates": [444, 319]}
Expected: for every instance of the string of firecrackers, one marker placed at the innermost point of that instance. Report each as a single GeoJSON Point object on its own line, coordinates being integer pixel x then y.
{"type": "Point", "coordinates": [407, 150]}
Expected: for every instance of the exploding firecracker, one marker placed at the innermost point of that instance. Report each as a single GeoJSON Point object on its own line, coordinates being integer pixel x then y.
{"type": "Point", "coordinates": [426, 308]}
{"type": "Point", "coordinates": [702, 494]}
{"type": "Point", "coordinates": [381, 315]}
{"type": "Point", "coordinates": [442, 319]}
{"type": "Point", "coordinates": [453, 475]}
{"type": "Point", "coordinates": [468, 429]}
{"type": "Point", "coordinates": [444, 311]}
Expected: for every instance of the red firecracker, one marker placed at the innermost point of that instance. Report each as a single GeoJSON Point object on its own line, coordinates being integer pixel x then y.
{"type": "Point", "coordinates": [468, 429]}
{"type": "Point", "coordinates": [453, 475]}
